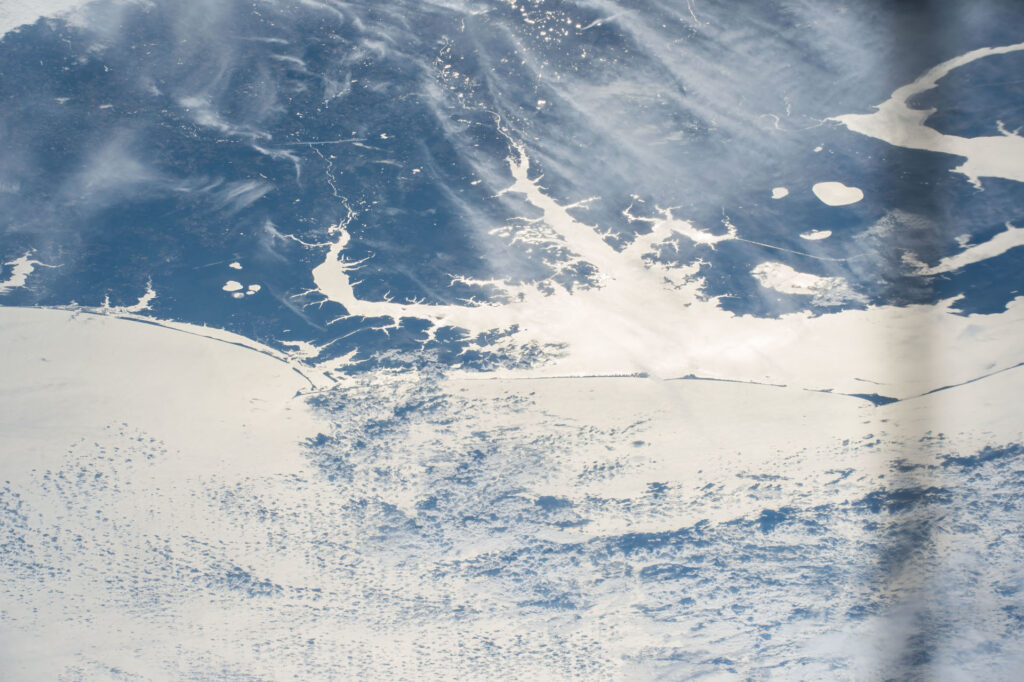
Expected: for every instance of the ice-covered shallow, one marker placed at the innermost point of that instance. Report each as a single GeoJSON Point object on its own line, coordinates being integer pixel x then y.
{"type": "Point", "coordinates": [165, 527]}
{"type": "Point", "coordinates": [653, 318]}
{"type": "Point", "coordinates": [71, 377]}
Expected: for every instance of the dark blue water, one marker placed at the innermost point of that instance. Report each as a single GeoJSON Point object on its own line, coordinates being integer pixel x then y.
{"type": "Point", "coordinates": [195, 135]}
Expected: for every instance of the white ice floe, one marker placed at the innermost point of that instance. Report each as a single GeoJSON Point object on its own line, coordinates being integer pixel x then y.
{"type": "Point", "coordinates": [779, 193]}
{"type": "Point", "coordinates": [895, 122]}
{"type": "Point", "coordinates": [232, 285]}
{"type": "Point", "coordinates": [235, 266]}
{"type": "Point", "coordinates": [786, 280]}
{"type": "Point", "coordinates": [20, 269]}
{"type": "Point", "coordinates": [837, 194]}
{"type": "Point", "coordinates": [1010, 238]}
{"type": "Point", "coordinates": [815, 235]}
